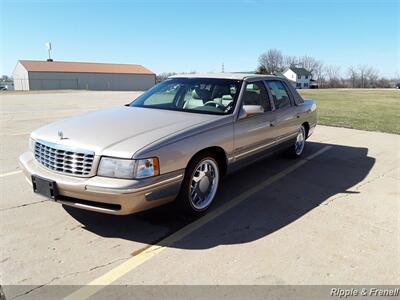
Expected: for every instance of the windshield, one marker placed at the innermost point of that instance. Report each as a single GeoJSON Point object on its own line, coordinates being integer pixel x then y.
{"type": "Point", "coordinates": [198, 95]}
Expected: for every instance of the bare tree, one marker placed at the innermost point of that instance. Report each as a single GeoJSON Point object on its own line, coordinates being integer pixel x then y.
{"type": "Point", "coordinates": [353, 76]}
{"type": "Point", "coordinates": [163, 76]}
{"type": "Point", "coordinates": [270, 62]}
{"type": "Point", "coordinates": [316, 67]}
{"type": "Point", "coordinates": [290, 60]}
{"type": "Point", "coordinates": [362, 71]}
{"type": "Point", "coordinates": [261, 70]}
{"type": "Point", "coordinates": [309, 63]}
{"type": "Point", "coordinates": [371, 76]}
{"type": "Point", "coordinates": [319, 74]}
{"type": "Point", "coordinates": [326, 76]}
{"type": "Point", "coordinates": [333, 76]}
{"type": "Point", "coordinates": [384, 83]}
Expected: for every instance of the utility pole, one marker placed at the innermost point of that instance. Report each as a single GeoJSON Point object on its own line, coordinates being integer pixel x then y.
{"type": "Point", "coordinates": [223, 68]}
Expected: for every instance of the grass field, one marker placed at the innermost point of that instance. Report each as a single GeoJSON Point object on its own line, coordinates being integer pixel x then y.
{"type": "Point", "coordinates": [366, 109]}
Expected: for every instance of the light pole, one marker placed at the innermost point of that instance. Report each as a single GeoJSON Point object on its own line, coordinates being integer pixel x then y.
{"type": "Point", "coordinates": [48, 46]}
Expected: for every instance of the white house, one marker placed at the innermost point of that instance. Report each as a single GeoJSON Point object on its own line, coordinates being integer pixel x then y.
{"type": "Point", "coordinates": [51, 75]}
{"type": "Point", "coordinates": [300, 77]}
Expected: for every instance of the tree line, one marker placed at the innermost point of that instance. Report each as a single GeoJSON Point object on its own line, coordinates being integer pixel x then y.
{"type": "Point", "coordinates": [326, 76]}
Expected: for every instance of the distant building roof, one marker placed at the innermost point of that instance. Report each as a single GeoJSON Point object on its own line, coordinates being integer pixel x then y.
{"type": "Point", "coordinates": [83, 67]}
{"type": "Point", "coordinates": [300, 71]}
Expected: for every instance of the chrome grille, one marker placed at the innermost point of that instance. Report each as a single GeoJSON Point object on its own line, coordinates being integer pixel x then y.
{"type": "Point", "coordinates": [63, 159]}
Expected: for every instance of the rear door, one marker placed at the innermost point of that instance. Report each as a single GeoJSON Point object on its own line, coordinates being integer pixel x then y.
{"type": "Point", "coordinates": [285, 115]}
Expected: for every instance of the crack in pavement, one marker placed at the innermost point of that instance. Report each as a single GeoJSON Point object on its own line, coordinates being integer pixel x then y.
{"type": "Point", "coordinates": [68, 275]}
{"type": "Point", "coordinates": [93, 268]}
{"type": "Point", "coordinates": [376, 178]}
{"type": "Point", "coordinates": [357, 187]}
{"type": "Point", "coordinates": [107, 264]}
{"type": "Point", "coordinates": [22, 205]}
{"type": "Point", "coordinates": [35, 288]}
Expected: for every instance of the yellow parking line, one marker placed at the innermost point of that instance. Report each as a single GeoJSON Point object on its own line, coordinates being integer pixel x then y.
{"type": "Point", "coordinates": [135, 261]}
{"type": "Point", "coordinates": [10, 173]}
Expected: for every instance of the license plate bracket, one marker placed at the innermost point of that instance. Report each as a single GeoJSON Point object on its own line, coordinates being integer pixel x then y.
{"type": "Point", "coordinates": [45, 187]}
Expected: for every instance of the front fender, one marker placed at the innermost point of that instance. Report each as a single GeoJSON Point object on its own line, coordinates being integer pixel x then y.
{"type": "Point", "coordinates": [174, 153]}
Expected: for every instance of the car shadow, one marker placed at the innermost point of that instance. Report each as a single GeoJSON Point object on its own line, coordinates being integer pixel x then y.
{"type": "Point", "coordinates": [262, 213]}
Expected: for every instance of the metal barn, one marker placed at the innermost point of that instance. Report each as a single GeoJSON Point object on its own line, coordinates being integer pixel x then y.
{"type": "Point", "coordinates": [53, 75]}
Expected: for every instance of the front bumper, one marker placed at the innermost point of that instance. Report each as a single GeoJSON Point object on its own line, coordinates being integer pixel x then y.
{"type": "Point", "coordinates": [107, 195]}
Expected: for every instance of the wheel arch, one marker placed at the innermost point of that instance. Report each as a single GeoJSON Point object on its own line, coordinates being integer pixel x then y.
{"type": "Point", "coordinates": [218, 153]}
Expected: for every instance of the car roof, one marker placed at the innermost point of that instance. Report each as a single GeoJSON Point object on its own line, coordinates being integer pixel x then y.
{"type": "Point", "coordinates": [237, 76]}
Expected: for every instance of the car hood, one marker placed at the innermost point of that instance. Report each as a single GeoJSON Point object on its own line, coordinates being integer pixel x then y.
{"type": "Point", "coordinates": [121, 131]}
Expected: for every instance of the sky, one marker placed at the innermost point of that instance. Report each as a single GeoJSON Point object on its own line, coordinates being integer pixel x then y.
{"type": "Point", "coordinates": [185, 36]}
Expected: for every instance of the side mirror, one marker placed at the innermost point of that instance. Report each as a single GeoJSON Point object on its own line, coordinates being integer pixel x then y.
{"type": "Point", "coordinates": [250, 110]}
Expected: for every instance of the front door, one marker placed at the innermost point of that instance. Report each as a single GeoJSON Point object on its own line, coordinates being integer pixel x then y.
{"type": "Point", "coordinates": [254, 133]}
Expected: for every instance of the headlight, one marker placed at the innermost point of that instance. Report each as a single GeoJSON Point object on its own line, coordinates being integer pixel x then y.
{"type": "Point", "coordinates": [120, 168]}
{"type": "Point", "coordinates": [128, 168]}
{"type": "Point", "coordinates": [32, 143]}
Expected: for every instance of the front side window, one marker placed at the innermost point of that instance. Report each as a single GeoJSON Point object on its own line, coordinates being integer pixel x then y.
{"type": "Point", "coordinates": [198, 95]}
{"type": "Point", "coordinates": [280, 96]}
{"type": "Point", "coordinates": [256, 94]}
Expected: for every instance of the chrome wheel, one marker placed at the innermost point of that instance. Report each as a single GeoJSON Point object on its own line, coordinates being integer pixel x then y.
{"type": "Point", "coordinates": [204, 184]}
{"type": "Point", "coordinates": [300, 140]}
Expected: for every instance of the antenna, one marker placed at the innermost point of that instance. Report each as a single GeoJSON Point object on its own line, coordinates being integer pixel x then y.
{"type": "Point", "coordinates": [48, 47]}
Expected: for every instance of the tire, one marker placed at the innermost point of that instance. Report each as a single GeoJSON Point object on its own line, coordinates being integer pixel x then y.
{"type": "Point", "coordinates": [200, 184]}
{"type": "Point", "coordinates": [297, 149]}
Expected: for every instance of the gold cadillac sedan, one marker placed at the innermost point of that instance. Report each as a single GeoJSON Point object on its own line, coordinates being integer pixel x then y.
{"type": "Point", "coordinates": [174, 142]}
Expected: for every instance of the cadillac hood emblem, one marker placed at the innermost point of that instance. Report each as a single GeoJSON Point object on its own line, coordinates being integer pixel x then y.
{"type": "Point", "coordinates": [61, 135]}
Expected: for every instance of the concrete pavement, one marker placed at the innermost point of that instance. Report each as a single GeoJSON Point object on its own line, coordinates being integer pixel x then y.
{"type": "Point", "coordinates": [334, 220]}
